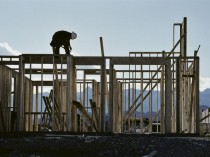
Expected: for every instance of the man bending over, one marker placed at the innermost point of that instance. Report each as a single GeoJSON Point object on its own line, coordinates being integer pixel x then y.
{"type": "Point", "coordinates": [62, 39]}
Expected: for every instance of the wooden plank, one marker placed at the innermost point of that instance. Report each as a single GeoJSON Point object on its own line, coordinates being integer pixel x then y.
{"type": "Point", "coordinates": [56, 107]}
{"type": "Point", "coordinates": [168, 98]}
{"type": "Point", "coordinates": [139, 60]}
{"type": "Point", "coordinates": [37, 58]}
{"type": "Point", "coordinates": [197, 98]}
{"type": "Point", "coordinates": [177, 96]}
{"type": "Point", "coordinates": [85, 113]}
{"type": "Point", "coordinates": [69, 93]}
{"type": "Point", "coordinates": [162, 102]}
{"type": "Point", "coordinates": [88, 60]}
{"type": "Point", "coordinates": [2, 119]}
{"type": "Point", "coordinates": [37, 105]}
{"type": "Point", "coordinates": [31, 105]}
{"type": "Point", "coordinates": [48, 108]}
{"type": "Point", "coordinates": [9, 62]}
{"type": "Point", "coordinates": [103, 95]}
{"type": "Point", "coordinates": [183, 43]}
{"type": "Point", "coordinates": [95, 114]}
{"type": "Point", "coordinates": [21, 96]}
{"type": "Point", "coordinates": [94, 102]}
{"type": "Point", "coordinates": [44, 83]}
{"type": "Point", "coordinates": [57, 97]}
{"type": "Point", "coordinates": [45, 71]}
{"type": "Point", "coordinates": [26, 105]}
{"type": "Point", "coordinates": [205, 117]}
{"type": "Point", "coordinates": [111, 95]}
{"type": "Point", "coordinates": [149, 52]}
{"type": "Point", "coordinates": [74, 97]}
{"type": "Point", "coordinates": [114, 106]}
{"type": "Point", "coordinates": [131, 109]}
{"type": "Point", "coordinates": [150, 123]}
{"type": "Point", "coordinates": [93, 71]}
{"type": "Point", "coordinates": [102, 46]}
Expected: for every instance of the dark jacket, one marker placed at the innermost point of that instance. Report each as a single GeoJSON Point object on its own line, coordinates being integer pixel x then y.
{"type": "Point", "coordinates": [61, 38]}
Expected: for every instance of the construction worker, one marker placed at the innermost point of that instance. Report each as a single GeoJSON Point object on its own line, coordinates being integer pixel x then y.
{"type": "Point", "coordinates": [62, 39]}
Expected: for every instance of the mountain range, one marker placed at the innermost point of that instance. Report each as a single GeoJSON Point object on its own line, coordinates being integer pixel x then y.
{"type": "Point", "coordinates": [204, 99]}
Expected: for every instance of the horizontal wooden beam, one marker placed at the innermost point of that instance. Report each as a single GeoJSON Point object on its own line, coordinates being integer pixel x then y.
{"type": "Point", "coordinates": [50, 83]}
{"type": "Point", "coordinates": [44, 83]}
{"type": "Point", "coordinates": [9, 62]}
{"type": "Point", "coordinates": [84, 60]}
{"type": "Point", "coordinates": [88, 60]}
{"type": "Point", "coordinates": [94, 71]}
{"type": "Point", "coordinates": [149, 52]}
{"type": "Point", "coordinates": [139, 60]}
{"type": "Point", "coordinates": [45, 71]}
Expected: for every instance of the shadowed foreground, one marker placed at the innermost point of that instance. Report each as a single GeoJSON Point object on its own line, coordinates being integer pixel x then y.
{"type": "Point", "coordinates": [109, 145]}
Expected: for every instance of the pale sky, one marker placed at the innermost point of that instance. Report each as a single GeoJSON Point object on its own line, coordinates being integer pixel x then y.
{"type": "Point", "coordinates": [125, 25]}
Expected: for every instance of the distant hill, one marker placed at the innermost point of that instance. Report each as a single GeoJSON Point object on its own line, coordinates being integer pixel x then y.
{"type": "Point", "coordinates": [204, 99]}
{"type": "Point", "coordinates": [203, 107]}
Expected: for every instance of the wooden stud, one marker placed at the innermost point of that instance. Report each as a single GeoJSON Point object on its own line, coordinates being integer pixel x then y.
{"type": "Point", "coordinates": [20, 116]}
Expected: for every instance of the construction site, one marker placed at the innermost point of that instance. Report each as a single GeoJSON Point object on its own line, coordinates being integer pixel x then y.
{"type": "Point", "coordinates": [101, 95]}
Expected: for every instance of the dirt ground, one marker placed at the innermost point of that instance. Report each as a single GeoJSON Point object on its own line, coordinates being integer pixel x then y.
{"type": "Point", "coordinates": [100, 145]}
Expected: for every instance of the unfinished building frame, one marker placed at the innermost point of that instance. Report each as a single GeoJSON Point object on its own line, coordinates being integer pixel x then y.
{"type": "Point", "coordinates": [102, 94]}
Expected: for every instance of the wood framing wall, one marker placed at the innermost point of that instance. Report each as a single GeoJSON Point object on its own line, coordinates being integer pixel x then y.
{"type": "Point", "coordinates": [5, 98]}
{"type": "Point", "coordinates": [122, 91]}
{"type": "Point", "coordinates": [9, 99]}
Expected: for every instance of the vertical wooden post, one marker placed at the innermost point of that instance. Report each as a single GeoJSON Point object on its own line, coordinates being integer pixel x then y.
{"type": "Point", "coordinates": [177, 96]}
{"type": "Point", "coordinates": [61, 98]}
{"type": "Point", "coordinates": [103, 94]}
{"type": "Point", "coordinates": [129, 104]}
{"type": "Point", "coordinates": [142, 101]}
{"type": "Point", "coordinates": [197, 109]}
{"type": "Point", "coordinates": [69, 92]}
{"type": "Point", "coordinates": [41, 125]}
{"type": "Point", "coordinates": [150, 105]}
{"type": "Point", "coordinates": [73, 97]}
{"type": "Point", "coordinates": [183, 43]}
{"type": "Point", "coordinates": [37, 104]}
{"type": "Point", "coordinates": [84, 100]}
{"type": "Point", "coordinates": [114, 107]}
{"type": "Point", "coordinates": [53, 100]}
{"type": "Point", "coordinates": [162, 103]}
{"type": "Point", "coordinates": [168, 95]}
{"type": "Point", "coordinates": [111, 87]}
{"type": "Point", "coordinates": [8, 98]}
{"type": "Point", "coordinates": [20, 116]}
{"type": "Point", "coordinates": [120, 108]}
{"type": "Point", "coordinates": [5, 98]}
{"type": "Point", "coordinates": [57, 97]}
{"type": "Point", "coordinates": [31, 99]}
{"type": "Point", "coordinates": [102, 46]}
{"type": "Point", "coordinates": [104, 87]}
{"type": "Point", "coordinates": [94, 97]}
{"type": "Point", "coordinates": [26, 105]}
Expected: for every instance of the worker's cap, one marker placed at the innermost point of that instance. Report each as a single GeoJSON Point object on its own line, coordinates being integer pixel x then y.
{"type": "Point", "coordinates": [73, 35]}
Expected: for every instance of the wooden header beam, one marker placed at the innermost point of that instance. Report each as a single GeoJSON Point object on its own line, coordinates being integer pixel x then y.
{"type": "Point", "coordinates": [139, 60]}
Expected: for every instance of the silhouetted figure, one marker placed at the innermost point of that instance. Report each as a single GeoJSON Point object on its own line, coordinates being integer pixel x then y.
{"type": "Point", "coordinates": [62, 39]}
